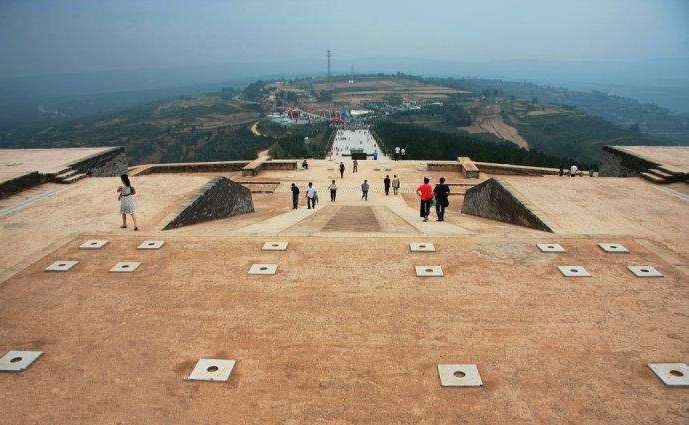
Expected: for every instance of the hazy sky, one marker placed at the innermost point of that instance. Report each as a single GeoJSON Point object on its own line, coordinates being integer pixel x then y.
{"type": "Point", "coordinates": [44, 37]}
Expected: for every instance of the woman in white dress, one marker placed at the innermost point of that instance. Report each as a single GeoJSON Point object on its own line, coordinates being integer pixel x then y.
{"type": "Point", "coordinates": [127, 206]}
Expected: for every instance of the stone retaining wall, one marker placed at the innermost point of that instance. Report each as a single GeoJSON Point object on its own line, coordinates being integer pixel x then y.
{"type": "Point", "coordinates": [219, 198]}
{"type": "Point", "coordinates": [193, 167]}
{"type": "Point", "coordinates": [617, 163]}
{"type": "Point", "coordinates": [493, 199]}
{"type": "Point", "coordinates": [21, 183]}
{"type": "Point", "coordinates": [111, 163]}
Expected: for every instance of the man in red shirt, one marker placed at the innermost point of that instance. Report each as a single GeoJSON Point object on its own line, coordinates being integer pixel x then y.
{"type": "Point", "coordinates": [425, 192]}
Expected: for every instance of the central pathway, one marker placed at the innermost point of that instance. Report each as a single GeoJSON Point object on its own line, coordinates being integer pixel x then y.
{"type": "Point", "coordinates": [346, 140]}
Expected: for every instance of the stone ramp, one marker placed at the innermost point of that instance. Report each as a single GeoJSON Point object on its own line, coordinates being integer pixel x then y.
{"type": "Point", "coordinates": [498, 200]}
{"type": "Point", "coordinates": [220, 198]}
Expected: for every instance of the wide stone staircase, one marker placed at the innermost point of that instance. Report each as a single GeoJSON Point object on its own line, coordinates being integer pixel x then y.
{"type": "Point", "coordinates": [663, 175]}
{"type": "Point", "coordinates": [68, 176]}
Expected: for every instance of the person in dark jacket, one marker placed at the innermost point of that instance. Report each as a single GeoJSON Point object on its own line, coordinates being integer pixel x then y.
{"type": "Point", "coordinates": [386, 184]}
{"type": "Point", "coordinates": [441, 192]}
{"type": "Point", "coordinates": [342, 170]}
{"type": "Point", "coordinates": [295, 196]}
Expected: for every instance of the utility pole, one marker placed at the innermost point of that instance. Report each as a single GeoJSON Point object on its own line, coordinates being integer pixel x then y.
{"type": "Point", "coordinates": [329, 54]}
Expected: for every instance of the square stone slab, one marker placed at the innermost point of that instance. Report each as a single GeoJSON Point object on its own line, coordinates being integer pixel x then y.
{"type": "Point", "coordinates": [17, 361]}
{"type": "Point", "coordinates": [550, 247]}
{"type": "Point", "coordinates": [672, 374]}
{"type": "Point", "coordinates": [61, 266]}
{"type": "Point", "coordinates": [645, 271]}
{"type": "Point", "coordinates": [274, 246]}
{"type": "Point", "coordinates": [425, 271]}
{"type": "Point", "coordinates": [125, 266]}
{"type": "Point", "coordinates": [93, 244]}
{"type": "Point", "coordinates": [613, 247]}
{"type": "Point", "coordinates": [422, 247]}
{"type": "Point", "coordinates": [212, 370]}
{"type": "Point", "coordinates": [459, 375]}
{"type": "Point", "coordinates": [151, 245]}
{"type": "Point", "coordinates": [573, 271]}
{"type": "Point", "coordinates": [263, 269]}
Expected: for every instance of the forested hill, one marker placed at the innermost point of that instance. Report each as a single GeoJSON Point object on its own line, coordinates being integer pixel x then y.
{"type": "Point", "coordinates": [656, 121]}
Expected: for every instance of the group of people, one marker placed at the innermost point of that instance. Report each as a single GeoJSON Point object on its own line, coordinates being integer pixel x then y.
{"type": "Point", "coordinates": [429, 196]}
{"type": "Point", "coordinates": [574, 171]}
{"type": "Point", "coordinates": [399, 153]}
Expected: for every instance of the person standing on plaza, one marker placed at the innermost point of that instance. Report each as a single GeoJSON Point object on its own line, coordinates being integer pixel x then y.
{"type": "Point", "coordinates": [425, 192]}
{"type": "Point", "coordinates": [397, 153]}
{"type": "Point", "coordinates": [395, 184]}
{"type": "Point", "coordinates": [342, 168]}
{"type": "Point", "coordinates": [295, 196]}
{"type": "Point", "coordinates": [403, 152]}
{"type": "Point", "coordinates": [386, 184]}
{"type": "Point", "coordinates": [126, 192]}
{"type": "Point", "coordinates": [441, 192]}
{"type": "Point", "coordinates": [333, 191]}
{"type": "Point", "coordinates": [574, 170]}
{"type": "Point", "coordinates": [355, 166]}
{"type": "Point", "coordinates": [364, 190]}
{"type": "Point", "coordinates": [311, 194]}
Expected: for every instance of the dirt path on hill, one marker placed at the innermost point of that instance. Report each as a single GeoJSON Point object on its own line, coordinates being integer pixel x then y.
{"type": "Point", "coordinates": [254, 129]}
{"type": "Point", "coordinates": [492, 122]}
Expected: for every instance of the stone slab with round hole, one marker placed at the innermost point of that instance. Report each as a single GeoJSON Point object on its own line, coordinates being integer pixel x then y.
{"type": "Point", "coordinates": [61, 266]}
{"type": "Point", "coordinates": [422, 247]}
{"type": "Point", "coordinates": [212, 370]}
{"type": "Point", "coordinates": [429, 271]}
{"type": "Point", "coordinates": [151, 245]}
{"type": "Point", "coordinates": [550, 247]}
{"type": "Point", "coordinates": [613, 247]}
{"type": "Point", "coordinates": [672, 374]}
{"type": "Point", "coordinates": [274, 246]}
{"type": "Point", "coordinates": [574, 271]}
{"type": "Point", "coordinates": [645, 271]}
{"type": "Point", "coordinates": [263, 269]}
{"type": "Point", "coordinates": [17, 361]}
{"type": "Point", "coordinates": [125, 266]}
{"type": "Point", "coordinates": [459, 375]}
{"type": "Point", "coordinates": [93, 244]}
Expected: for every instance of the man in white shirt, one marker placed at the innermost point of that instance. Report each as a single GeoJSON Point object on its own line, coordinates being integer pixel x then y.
{"type": "Point", "coordinates": [403, 152]}
{"type": "Point", "coordinates": [311, 194]}
{"type": "Point", "coordinates": [573, 170]}
{"type": "Point", "coordinates": [397, 153]}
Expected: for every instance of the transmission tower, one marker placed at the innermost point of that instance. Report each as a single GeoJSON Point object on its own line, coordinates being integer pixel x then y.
{"type": "Point", "coordinates": [328, 55]}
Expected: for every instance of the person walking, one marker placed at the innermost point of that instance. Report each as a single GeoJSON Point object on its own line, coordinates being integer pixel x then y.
{"type": "Point", "coordinates": [295, 196]}
{"type": "Point", "coordinates": [355, 166]}
{"type": "Point", "coordinates": [364, 190]}
{"type": "Point", "coordinates": [395, 184]}
{"type": "Point", "coordinates": [441, 192]}
{"type": "Point", "coordinates": [386, 184]}
{"type": "Point", "coordinates": [311, 194]}
{"type": "Point", "coordinates": [342, 167]}
{"type": "Point", "coordinates": [425, 192]}
{"type": "Point", "coordinates": [333, 191]}
{"type": "Point", "coordinates": [126, 191]}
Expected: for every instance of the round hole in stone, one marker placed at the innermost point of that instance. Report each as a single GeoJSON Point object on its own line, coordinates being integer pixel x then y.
{"type": "Point", "coordinates": [459, 374]}
{"type": "Point", "coordinates": [613, 246]}
{"type": "Point", "coordinates": [94, 243]}
{"type": "Point", "coordinates": [574, 270]}
{"type": "Point", "coordinates": [124, 266]}
{"type": "Point", "coordinates": [15, 359]}
{"type": "Point", "coordinates": [263, 268]}
{"type": "Point", "coordinates": [422, 246]}
{"type": "Point", "coordinates": [645, 271]}
{"type": "Point", "coordinates": [275, 245]}
{"type": "Point", "coordinates": [62, 265]}
{"type": "Point", "coordinates": [676, 373]}
{"type": "Point", "coordinates": [151, 243]}
{"type": "Point", "coordinates": [212, 369]}
{"type": "Point", "coordinates": [429, 270]}
{"type": "Point", "coordinates": [551, 246]}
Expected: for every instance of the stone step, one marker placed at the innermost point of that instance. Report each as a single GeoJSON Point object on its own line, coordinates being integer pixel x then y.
{"type": "Point", "coordinates": [65, 174]}
{"type": "Point", "coordinates": [653, 178]}
{"type": "Point", "coordinates": [74, 178]}
{"type": "Point", "coordinates": [659, 173]}
{"type": "Point", "coordinates": [670, 170]}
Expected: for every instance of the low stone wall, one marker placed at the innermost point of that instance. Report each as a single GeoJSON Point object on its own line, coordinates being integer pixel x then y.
{"type": "Point", "coordinates": [106, 164]}
{"type": "Point", "coordinates": [20, 183]}
{"type": "Point", "coordinates": [442, 166]}
{"type": "Point", "coordinates": [193, 167]}
{"type": "Point", "coordinates": [510, 169]}
{"type": "Point", "coordinates": [219, 198]}
{"type": "Point", "coordinates": [280, 165]}
{"type": "Point", "coordinates": [493, 199]}
{"type": "Point", "coordinates": [617, 163]}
